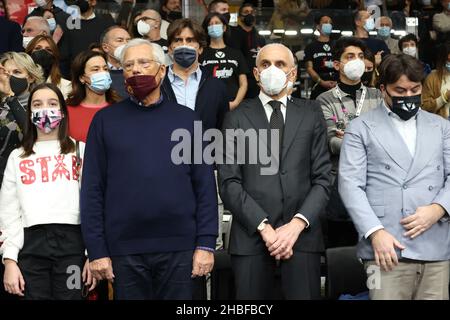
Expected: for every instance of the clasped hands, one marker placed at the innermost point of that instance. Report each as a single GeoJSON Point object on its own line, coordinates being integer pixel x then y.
{"type": "Point", "coordinates": [280, 241]}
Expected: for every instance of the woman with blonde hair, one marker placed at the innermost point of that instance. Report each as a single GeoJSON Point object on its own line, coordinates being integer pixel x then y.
{"type": "Point", "coordinates": [18, 76]}
{"type": "Point", "coordinates": [44, 52]}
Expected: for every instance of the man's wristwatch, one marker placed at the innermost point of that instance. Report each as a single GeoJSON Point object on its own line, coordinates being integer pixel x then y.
{"type": "Point", "coordinates": [262, 225]}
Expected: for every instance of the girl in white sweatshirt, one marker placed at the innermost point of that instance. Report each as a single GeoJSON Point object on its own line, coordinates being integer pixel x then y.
{"type": "Point", "coordinates": [43, 251]}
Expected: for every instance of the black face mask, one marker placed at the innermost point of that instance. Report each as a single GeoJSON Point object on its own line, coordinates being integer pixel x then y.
{"type": "Point", "coordinates": [84, 5]}
{"type": "Point", "coordinates": [249, 20]}
{"type": "Point", "coordinates": [18, 85]}
{"type": "Point", "coordinates": [174, 15]}
{"type": "Point", "coordinates": [45, 59]}
{"type": "Point", "coordinates": [226, 16]}
{"type": "Point", "coordinates": [367, 78]}
{"type": "Point", "coordinates": [405, 107]}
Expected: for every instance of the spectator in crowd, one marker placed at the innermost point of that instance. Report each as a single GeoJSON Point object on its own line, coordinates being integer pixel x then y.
{"type": "Point", "coordinates": [186, 82]}
{"type": "Point", "coordinates": [89, 30]}
{"type": "Point", "coordinates": [222, 62]}
{"type": "Point", "coordinates": [245, 38]}
{"type": "Point", "coordinates": [170, 11]}
{"type": "Point", "coordinates": [370, 75]}
{"type": "Point", "coordinates": [348, 100]}
{"type": "Point", "coordinates": [384, 26]}
{"type": "Point", "coordinates": [11, 33]}
{"type": "Point", "coordinates": [91, 92]}
{"type": "Point", "coordinates": [222, 7]}
{"type": "Point", "coordinates": [394, 179]}
{"type": "Point", "coordinates": [97, 47]}
{"type": "Point", "coordinates": [113, 41]}
{"type": "Point", "coordinates": [365, 23]}
{"type": "Point", "coordinates": [441, 21]}
{"type": "Point", "coordinates": [150, 244]}
{"type": "Point", "coordinates": [18, 75]}
{"type": "Point", "coordinates": [319, 58]}
{"type": "Point", "coordinates": [436, 88]}
{"type": "Point", "coordinates": [39, 213]}
{"type": "Point", "coordinates": [148, 26]}
{"type": "Point", "coordinates": [276, 225]}
{"type": "Point", "coordinates": [61, 18]}
{"type": "Point", "coordinates": [409, 45]}
{"type": "Point", "coordinates": [55, 29]}
{"type": "Point", "coordinates": [45, 53]}
{"type": "Point", "coordinates": [33, 27]}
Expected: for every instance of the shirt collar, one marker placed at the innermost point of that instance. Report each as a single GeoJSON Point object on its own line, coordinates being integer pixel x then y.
{"type": "Point", "coordinates": [196, 74]}
{"type": "Point", "coordinates": [92, 16]}
{"type": "Point", "coordinates": [265, 98]}
{"type": "Point", "coordinates": [111, 67]}
{"type": "Point", "coordinates": [140, 104]}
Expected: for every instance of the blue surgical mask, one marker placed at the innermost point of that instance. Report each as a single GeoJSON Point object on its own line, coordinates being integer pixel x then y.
{"type": "Point", "coordinates": [384, 32]}
{"type": "Point", "coordinates": [327, 28]}
{"type": "Point", "coordinates": [215, 31]}
{"type": "Point", "coordinates": [448, 6]}
{"type": "Point", "coordinates": [52, 24]}
{"type": "Point", "coordinates": [184, 56]}
{"type": "Point", "coordinates": [100, 82]}
{"type": "Point", "coordinates": [369, 25]}
{"type": "Point", "coordinates": [447, 65]}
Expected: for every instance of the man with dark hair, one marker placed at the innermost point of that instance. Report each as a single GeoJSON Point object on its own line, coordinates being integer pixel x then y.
{"type": "Point", "coordinates": [222, 7]}
{"type": "Point", "coordinates": [186, 82]}
{"type": "Point", "coordinates": [364, 23]}
{"type": "Point", "coordinates": [171, 10]}
{"type": "Point", "coordinates": [318, 58]}
{"type": "Point", "coordinates": [394, 179]}
{"type": "Point", "coordinates": [409, 45]}
{"type": "Point", "coordinates": [246, 38]}
{"type": "Point", "coordinates": [340, 105]}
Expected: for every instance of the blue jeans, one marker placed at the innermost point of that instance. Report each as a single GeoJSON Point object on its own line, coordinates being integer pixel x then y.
{"type": "Point", "coordinates": [153, 276]}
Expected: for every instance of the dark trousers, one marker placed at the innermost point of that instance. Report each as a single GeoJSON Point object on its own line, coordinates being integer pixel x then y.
{"type": "Point", "coordinates": [155, 276]}
{"type": "Point", "coordinates": [255, 276]}
{"type": "Point", "coordinates": [51, 262]}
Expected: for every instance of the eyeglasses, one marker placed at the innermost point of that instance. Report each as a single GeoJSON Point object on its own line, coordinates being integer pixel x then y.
{"type": "Point", "coordinates": [143, 63]}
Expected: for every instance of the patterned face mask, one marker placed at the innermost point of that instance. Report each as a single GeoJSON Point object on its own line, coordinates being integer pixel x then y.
{"type": "Point", "coordinates": [46, 119]}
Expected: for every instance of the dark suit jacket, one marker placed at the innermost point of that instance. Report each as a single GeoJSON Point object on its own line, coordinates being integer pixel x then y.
{"type": "Point", "coordinates": [10, 36]}
{"type": "Point", "coordinates": [300, 186]}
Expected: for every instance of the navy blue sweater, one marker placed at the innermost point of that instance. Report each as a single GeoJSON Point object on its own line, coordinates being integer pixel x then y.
{"type": "Point", "coordinates": [134, 199]}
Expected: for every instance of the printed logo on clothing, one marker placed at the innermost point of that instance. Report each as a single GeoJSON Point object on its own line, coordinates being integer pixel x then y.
{"type": "Point", "coordinates": [326, 47]}
{"type": "Point", "coordinates": [220, 54]}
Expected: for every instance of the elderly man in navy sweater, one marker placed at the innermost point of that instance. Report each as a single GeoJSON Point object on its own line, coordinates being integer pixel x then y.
{"type": "Point", "coordinates": [149, 225]}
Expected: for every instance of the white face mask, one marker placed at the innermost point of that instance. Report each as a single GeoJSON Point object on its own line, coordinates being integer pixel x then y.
{"type": "Point", "coordinates": [273, 80]}
{"type": "Point", "coordinates": [354, 69]}
{"type": "Point", "coordinates": [143, 28]}
{"type": "Point", "coordinates": [118, 52]}
{"type": "Point", "coordinates": [26, 41]}
{"type": "Point", "coordinates": [289, 85]}
{"type": "Point", "coordinates": [412, 51]}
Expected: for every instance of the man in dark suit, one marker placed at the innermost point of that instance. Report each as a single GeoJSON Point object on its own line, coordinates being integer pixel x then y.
{"type": "Point", "coordinates": [276, 216]}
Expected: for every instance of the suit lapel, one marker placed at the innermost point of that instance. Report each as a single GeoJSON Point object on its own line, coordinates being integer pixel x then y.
{"type": "Point", "coordinates": [256, 114]}
{"type": "Point", "coordinates": [294, 117]}
{"type": "Point", "coordinates": [389, 138]}
{"type": "Point", "coordinates": [427, 137]}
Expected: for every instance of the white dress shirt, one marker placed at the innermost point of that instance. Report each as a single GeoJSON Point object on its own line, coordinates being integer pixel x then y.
{"type": "Point", "coordinates": [265, 99]}
{"type": "Point", "coordinates": [408, 131]}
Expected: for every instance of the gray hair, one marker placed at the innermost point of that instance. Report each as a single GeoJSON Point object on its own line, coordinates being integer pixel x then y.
{"type": "Point", "coordinates": [158, 53]}
{"type": "Point", "coordinates": [42, 25]}
{"type": "Point", "coordinates": [378, 22]}
{"type": "Point", "coordinates": [271, 45]}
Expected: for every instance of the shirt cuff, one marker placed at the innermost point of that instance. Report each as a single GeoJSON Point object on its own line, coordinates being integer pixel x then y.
{"type": "Point", "coordinates": [368, 233]}
{"type": "Point", "coordinates": [440, 102]}
{"type": "Point", "coordinates": [302, 217]}
{"type": "Point", "coordinates": [11, 253]}
{"type": "Point", "coordinates": [260, 225]}
{"type": "Point", "coordinates": [205, 249]}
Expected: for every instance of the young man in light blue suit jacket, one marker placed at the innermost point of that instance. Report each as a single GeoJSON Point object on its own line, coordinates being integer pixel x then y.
{"type": "Point", "coordinates": [394, 179]}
